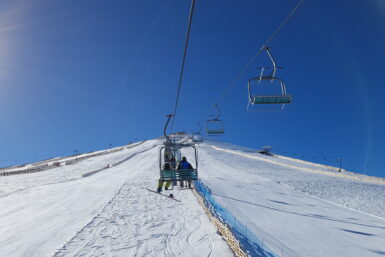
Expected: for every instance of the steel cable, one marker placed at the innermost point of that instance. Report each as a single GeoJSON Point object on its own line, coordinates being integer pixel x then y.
{"type": "Point", "coordinates": [183, 62]}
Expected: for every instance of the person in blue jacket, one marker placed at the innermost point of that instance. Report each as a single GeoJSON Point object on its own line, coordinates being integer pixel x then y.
{"type": "Point", "coordinates": [185, 165]}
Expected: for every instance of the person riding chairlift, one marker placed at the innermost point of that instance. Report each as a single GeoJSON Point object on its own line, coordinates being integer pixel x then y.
{"type": "Point", "coordinates": [161, 182]}
{"type": "Point", "coordinates": [185, 165]}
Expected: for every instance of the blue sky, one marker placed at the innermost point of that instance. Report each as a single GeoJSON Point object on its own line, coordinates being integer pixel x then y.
{"type": "Point", "coordinates": [86, 74]}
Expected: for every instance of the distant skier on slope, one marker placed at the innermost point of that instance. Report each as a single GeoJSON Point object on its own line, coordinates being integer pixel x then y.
{"type": "Point", "coordinates": [185, 165]}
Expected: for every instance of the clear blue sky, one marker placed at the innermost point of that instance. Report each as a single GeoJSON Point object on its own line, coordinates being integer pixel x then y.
{"type": "Point", "coordinates": [86, 74]}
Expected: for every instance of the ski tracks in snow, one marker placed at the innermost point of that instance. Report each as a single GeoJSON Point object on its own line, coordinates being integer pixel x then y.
{"type": "Point", "coordinates": [137, 222]}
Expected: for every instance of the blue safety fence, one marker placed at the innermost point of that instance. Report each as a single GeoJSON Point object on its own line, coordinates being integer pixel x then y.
{"type": "Point", "coordinates": [250, 243]}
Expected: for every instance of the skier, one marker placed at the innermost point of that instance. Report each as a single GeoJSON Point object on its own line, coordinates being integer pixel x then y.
{"type": "Point", "coordinates": [161, 182]}
{"type": "Point", "coordinates": [185, 165]}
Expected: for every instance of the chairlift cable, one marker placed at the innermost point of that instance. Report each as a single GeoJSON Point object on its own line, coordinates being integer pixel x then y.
{"type": "Point", "coordinates": [279, 28]}
{"type": "Point", "coordinates": [183, 62]}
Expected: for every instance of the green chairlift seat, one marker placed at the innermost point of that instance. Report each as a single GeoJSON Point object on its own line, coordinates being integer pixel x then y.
{"type": "Point", "coordinates": [190, 174]}
{"type": "Point", "coordinates": [167, 175]}
{"type": "Point", "coordinates": [178, 175]}
{"type": "Point", "coordinates": [215, 132]}
{"type": "Point", "coordinates": [271, 99]}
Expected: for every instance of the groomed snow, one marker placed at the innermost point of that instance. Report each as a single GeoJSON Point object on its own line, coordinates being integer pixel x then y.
{"type": "Point", "coordinates": [107, 214]}
{"type": "Point", "coordinates": [295, 208]}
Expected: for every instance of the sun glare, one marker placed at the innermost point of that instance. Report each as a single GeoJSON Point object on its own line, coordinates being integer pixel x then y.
{"type": "Point", "coordinates": [12, 18]}
{"type": "Point", "coordinates": [381, 4]}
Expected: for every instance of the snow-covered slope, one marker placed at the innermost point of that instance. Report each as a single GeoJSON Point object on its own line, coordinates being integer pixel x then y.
{"type": "Point", "coordinates": [289, 207]}
{"type": "Point", "coordinates": [296, 208]}
{"type": "Point", "coordinates": [61, 213]}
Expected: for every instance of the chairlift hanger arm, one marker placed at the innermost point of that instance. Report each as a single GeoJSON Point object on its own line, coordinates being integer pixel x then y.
{"type": "Point", "coordinates": [267, 49]}
{"type": "Point", "coordinates": [216, 106]}
{"type": "Point", "coordinates": [218, 116]}
{"type": "Point", "coordinates": [169, 116]}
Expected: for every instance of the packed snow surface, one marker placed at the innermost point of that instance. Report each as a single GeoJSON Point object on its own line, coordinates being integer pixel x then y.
{"type": "Point", "coordinates": [297, 208]}
{"type": "Point", "coordinates": [294, 208]}
{"type": "Point", "coordinates": [60, 213]}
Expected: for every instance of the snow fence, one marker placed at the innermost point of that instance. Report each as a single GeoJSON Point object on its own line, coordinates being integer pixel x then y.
{"type": "Point", "coordinates": [249, 242]}
{"type": "Point", "coordinates": [56, 162]}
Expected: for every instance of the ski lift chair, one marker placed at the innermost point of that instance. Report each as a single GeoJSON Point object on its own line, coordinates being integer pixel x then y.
{"type": "Point", "coordinates": [174, 174]}
{"type": "Point", "coordinates": [214, 127]}
{"type": "Point", "coordinates": [267, 102]}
